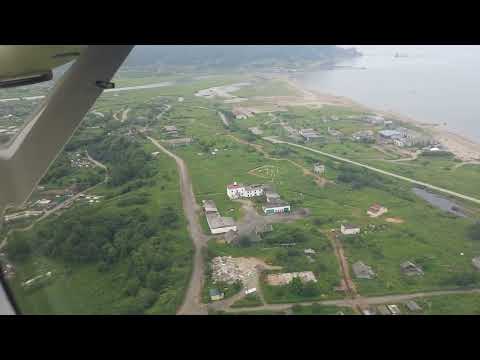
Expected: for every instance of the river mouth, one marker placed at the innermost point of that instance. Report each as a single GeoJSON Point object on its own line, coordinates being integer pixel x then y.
{"type": "Point", "coordinates": [440, 202]}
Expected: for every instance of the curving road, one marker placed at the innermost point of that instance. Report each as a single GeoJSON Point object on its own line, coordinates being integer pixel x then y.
{"type": "Point", "coordinates": [413, 181]}
{"type": "Point", "coordinates": [192, 304]}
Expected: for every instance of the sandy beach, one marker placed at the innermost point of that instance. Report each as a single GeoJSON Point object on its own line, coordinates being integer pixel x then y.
{"type": "Point", "coordinates": [465, 149]}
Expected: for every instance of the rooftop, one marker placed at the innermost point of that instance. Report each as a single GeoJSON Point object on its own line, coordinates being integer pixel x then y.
{"type": "Point", "coordinates": [275, 203]}
{"type": "Point", "coordinates": [209, 206]}
{"type": "Point", "coordinates": [234, 186]}
{"type": "Point", "coordinates": [350, 226]}
{"type": "Point", "coordinates": [388, 133]}
{"type": "Point", "coordinates": [216, 221]}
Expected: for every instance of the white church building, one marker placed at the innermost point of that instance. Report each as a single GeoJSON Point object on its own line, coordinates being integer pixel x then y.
{"type": "Point", "coordinates": [237, 191]}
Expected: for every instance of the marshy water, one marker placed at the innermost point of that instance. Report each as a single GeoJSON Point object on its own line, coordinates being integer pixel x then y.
{"type": "Point", "coordinates": [440, 202]}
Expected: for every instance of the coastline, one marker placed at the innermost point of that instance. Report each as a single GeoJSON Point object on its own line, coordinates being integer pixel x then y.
{"type": "Point", "coordinates": [463, 148]}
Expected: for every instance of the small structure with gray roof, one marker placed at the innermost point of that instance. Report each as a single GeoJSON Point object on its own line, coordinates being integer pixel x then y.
{"type": "Point", "coordinates": [363, 271]}
{"type": "Point", "coordinates": [413, 306]}
{"type": "Point", "coordinates": [411, 269]}
{"type": "Point", "coordinates": [476, 262]}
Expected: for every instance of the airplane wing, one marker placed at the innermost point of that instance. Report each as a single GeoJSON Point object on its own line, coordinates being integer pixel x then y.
{"type": "Point", "coordinates": [25, 160]}
{"type": "Point", "coordinates": [30, 64]}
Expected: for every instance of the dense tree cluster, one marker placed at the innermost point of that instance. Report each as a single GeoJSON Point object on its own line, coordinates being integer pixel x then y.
{"type": "Point", "coordinates": [126, 157]}
{"type": "Point", "coordinates": [359, 177]}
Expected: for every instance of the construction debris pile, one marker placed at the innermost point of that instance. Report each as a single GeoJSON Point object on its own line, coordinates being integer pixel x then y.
{"type": "Point", "coordinates": [286, 278]}
{"type": "Point", "coordinates": [230, 270]}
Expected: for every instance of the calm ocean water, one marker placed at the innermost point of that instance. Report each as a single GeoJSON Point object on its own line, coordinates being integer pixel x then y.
{"type": "Point", "coordinates": [436, 84]}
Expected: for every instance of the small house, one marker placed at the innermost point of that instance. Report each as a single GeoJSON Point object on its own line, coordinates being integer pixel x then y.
{"type": "Point", "coordinates": [383, 310]}
{"type": "Point", "coordinates": [349, 229]}
{"type": "Point", "coordinates": [263, 228]}
{"type": "Point", "coordinates": [413, 306]}
{"type": "Point", "coordinates": [276, 207]}
{"type": "Point", "coordinates": [209, 206]}
{"type": "Point", "coordinates": [216, 295]}
{"type": "Point", "coordinates": [231, 237]}
{"type": "Point", "coordinates": [394, 309]}
{"type": "Point", "coordinates": [363, 271]}
{"type": "Point", "coordinates": [309, 134]}
{"type": "Point", "coordinates": [410, 269]}
{"type": "Point", "coordinates": [376, 210]}
{"type": "Point", "coordinates": [179, 142]}
{"type": "Point", "coordinates": [309, 252]}
{"type": "Point", "coordinates": [319, 169]}
{"type": "Point", "coordinates": [476, 262]}
{"type": "Point", "coordinates": [219, 224]}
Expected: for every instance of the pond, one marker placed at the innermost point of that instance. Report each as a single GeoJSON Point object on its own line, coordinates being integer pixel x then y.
{"type": "Point", "coordinates": [440, 202]}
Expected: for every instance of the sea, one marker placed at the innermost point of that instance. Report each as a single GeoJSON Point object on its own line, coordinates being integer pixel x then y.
{"type": "Point", "coordinates": [437, 84]}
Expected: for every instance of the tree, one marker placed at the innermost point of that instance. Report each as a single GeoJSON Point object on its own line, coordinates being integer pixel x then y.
{"type": "Point", "coordinates": [296, 286]}
{"type": "Point", "coordinates": [156, 280]}
{"type": "Point", "coordinates": [18, 247]}
{"type": "Point", "coordinates": [132, 286]}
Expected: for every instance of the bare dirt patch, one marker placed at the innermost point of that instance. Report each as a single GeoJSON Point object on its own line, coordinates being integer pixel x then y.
{"type": "Point", "coordinates": [394, 220]}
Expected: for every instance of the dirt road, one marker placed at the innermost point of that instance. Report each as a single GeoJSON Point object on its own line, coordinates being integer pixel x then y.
{"type": "Point", "coordinates": [224, 119]}
{"type": "Point", "coordinates": [383, 172]}
{"type": "Point", "coordinates": [192, 304]}
{"type": "Point", "coordinates": [374, 300]}
{"type": "Point", "coordinates": [61, 205]}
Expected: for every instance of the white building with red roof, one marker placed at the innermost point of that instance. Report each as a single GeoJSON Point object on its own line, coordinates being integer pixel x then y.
{"type": "Point", "coordinates": [237, 191]}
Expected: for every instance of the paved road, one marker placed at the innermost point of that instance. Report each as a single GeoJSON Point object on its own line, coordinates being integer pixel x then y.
{"type": "Point", "coordinates": [375, 300]}
{"type": "Point", "coordinates": [433, 187]}
{"type": "Point", "coordinates": [192, 304]}
{"type": "Point", "coordinates": [126, 88]}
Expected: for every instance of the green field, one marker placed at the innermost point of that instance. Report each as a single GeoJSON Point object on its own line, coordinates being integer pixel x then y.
{"type": "Point", "coordinates": [435, 240]}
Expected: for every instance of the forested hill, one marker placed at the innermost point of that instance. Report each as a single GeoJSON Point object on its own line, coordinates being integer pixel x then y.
{"type": "Point", "coordinates": [233, 55]}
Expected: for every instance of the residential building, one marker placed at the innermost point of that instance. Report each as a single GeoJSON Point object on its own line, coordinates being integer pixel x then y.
{"type": "Point", "coordinates": [309, 251]}
{"type": "Point", "coordinates": [394, 309]}
{"type": "Point", "coordinates": [276, 207]}
{"type": "Point", "coordinates": [209, 206]}
{"type": "Point", "coordinates": [179, 142]}
{"type": "Point", "coordinates": [476, 262]}
{"type": "Point", "coordinates": [334, 132]}
{"type": "Point", "coordinates": [309, 134]}
{"type": "Point", "coordinates": [170, 128]}
{"type": "Point", "coordinates": [375, 119]}
{"type": "Point", "coordinates": [262, 229]}
{"type": "Point", "coordinates": [383, 310]}
{"type": "Point", "coordinates": [376, 210]}
{"type": "Point", "coordinates": [363, 271]}
{"type": "Point", "coordinates": [368, 312]}
{"type": "Point", "coordinates": [387, 134]}
{"type": "Point", "coordinates": [255, 131]}
{"type": "Point", "coordinates": [349, 229]}
{"type": "Point", "coordinates": [410, 269]}
{"type": "Point", "coordinates": [364, 135]}
{"type": "Point", "coordinates": [219, 224]}
{"type": "Point", "coordinates": [319, 169]}
{"type": "Point", "coordinates": [413, 306]}
{"type": "Point", "coordinates": [216, 295]}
